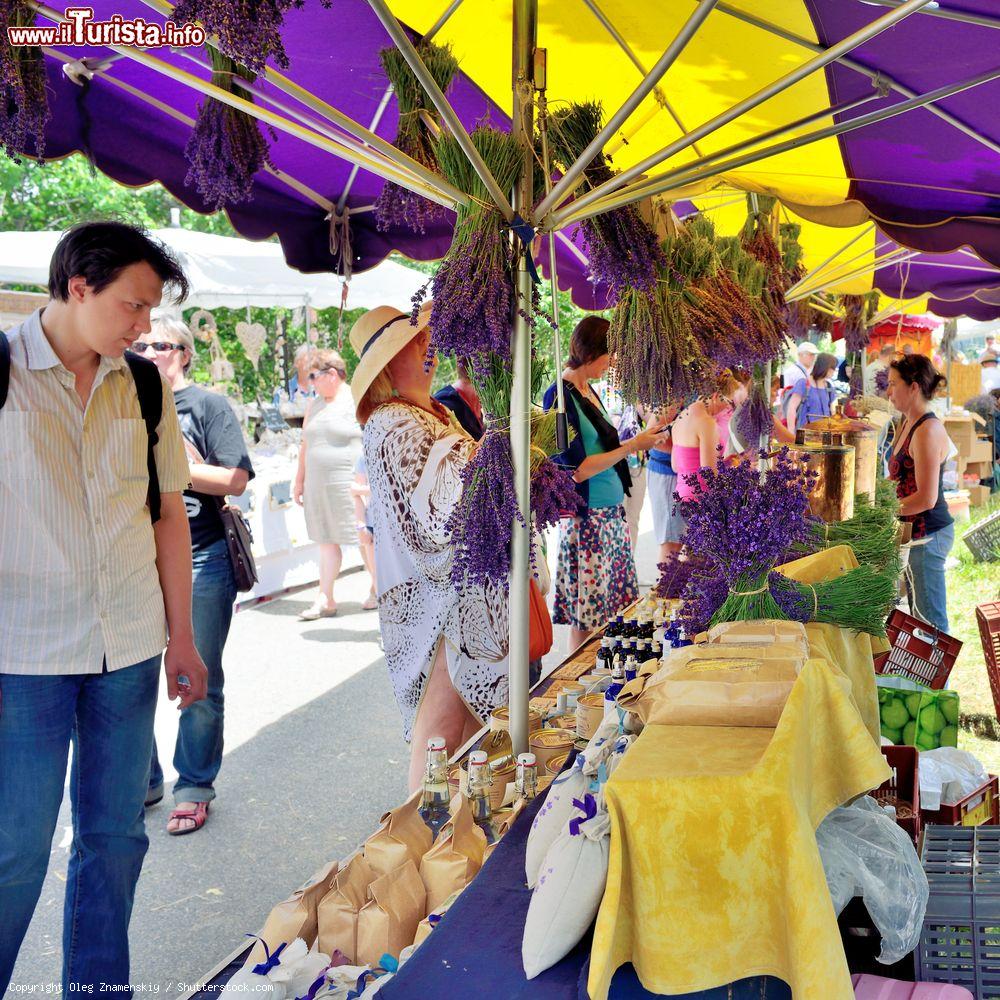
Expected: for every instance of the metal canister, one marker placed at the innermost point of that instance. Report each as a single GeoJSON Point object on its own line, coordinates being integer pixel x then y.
{"type": "Point", "coordinates": [548, 743]}
{"type": "Point", "coordinates": [832, 496]}
{"type": "Point", "coordinates": [859, 435]}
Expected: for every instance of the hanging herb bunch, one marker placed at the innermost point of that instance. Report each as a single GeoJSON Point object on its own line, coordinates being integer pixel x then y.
{"type": "Point", "coordinates": [249, 31]}
{"type": "Point", "coordinates": [623, 249]}
{"type": "Point", "coordinates": [482, 520]}
{"type": "Point", "coordinates": [753, 418]}
{"type": "Point", "coordinates": [658, 356]}
{"type": "Point", "coordinates": [858, 313]}
{"type": "Point", "coordinates": [473, 289]}
{"type": "Point", "coordinates": [416, 134]}
{"type": "Point", "coordinates": [24, 104]}
{"type": "Point", "coordinates": [226, 148]}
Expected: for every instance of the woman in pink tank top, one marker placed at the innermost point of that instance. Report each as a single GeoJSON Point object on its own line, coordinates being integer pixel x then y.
{"type": "Point", "coordinates": [698, 432]}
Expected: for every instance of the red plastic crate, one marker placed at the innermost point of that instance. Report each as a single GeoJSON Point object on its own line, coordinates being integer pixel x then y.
{"type": "Point", "coordinates": [904, 786]}
{"type": "Point", "coordinates": [919, 652]}
{"type": "Point", "coordinates": [977, 808]}
{"type": "Point", "coordinates": [988, 619]}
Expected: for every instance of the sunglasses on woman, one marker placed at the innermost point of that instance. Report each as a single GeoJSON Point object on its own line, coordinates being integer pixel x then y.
{"type": "Point", "coordinates": [159, 346]}
{"type": "Point", "coordinates": [322, 371]}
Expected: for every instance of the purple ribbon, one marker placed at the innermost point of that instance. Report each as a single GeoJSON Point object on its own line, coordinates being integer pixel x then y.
{"type": "Point", "coordinates": [434, 919]}
{"type": "Point", "coordinates": [359, 986]}
{"type": "Point", "coordinates": [315, 988]}
{"type": "Point", "coordinates": [273, 961]}
{"type": "Point", "coordinates": [589, 809]}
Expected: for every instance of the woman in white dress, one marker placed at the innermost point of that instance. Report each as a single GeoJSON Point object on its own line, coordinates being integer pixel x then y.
{"type": "Point", "coordinates": [331, 447]}
{"type": "Point", "coordinates": [446, 651]}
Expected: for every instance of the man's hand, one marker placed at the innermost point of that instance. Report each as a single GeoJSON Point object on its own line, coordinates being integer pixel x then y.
{"type": "Point", "coordinates": [181, 660]}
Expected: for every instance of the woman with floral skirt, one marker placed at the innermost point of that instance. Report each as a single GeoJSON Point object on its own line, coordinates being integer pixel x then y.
{"type": "Point", "coordinates": [596, 575]}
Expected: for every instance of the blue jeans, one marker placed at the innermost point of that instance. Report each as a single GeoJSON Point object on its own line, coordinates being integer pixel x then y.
{"type": "Point", "coordinates": [108, 718]}
{"type": "Point", "coordinates": [928, 594]}
{"type": "Point", "coordinates": [198, 753]}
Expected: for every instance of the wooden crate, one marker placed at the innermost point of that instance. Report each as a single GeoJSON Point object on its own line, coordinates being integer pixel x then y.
{"type": "Point", "coordinates": [964, 382]}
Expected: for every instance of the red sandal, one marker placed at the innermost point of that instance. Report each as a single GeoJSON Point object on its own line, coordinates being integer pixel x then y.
{"type": "Point", "coordinates": [198, 815]}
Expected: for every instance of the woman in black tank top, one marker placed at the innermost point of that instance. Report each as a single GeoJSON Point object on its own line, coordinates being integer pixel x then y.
{"type": "Point", "coordinates": [917, 467]}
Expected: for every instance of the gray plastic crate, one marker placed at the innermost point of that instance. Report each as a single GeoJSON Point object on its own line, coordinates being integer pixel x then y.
{"type": "Point", "coordinates": [983, 539]}
{"type": "Point", "coordinates": [960, 940]}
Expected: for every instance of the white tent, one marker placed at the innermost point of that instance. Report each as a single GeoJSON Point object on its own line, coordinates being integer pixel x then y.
{"type": "Point", "coordinates": [229, 272]}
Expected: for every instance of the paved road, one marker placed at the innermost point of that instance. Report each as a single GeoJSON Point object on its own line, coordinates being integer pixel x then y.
{"type": "Point", "coordinates": [314, 755]}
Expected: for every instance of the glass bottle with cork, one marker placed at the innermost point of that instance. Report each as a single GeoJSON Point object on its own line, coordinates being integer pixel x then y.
{"type": "Point", "coordinates": [526, 781]}
{"type": "Point", "coordinates": [480, 780]}
{"type": "Point", "coordinates": [435, 800]}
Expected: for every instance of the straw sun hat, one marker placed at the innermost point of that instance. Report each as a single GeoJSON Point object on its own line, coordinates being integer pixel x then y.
{"type": "Point", "coordinates": [377, 337]}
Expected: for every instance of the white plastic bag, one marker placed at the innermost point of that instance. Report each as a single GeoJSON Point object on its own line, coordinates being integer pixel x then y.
{"type": "Point", "coordinates": [866, 854]}
{"type": "Point", "coordinates": [570, 887]}
{"type": "Point", "coordinates": [947, 775]}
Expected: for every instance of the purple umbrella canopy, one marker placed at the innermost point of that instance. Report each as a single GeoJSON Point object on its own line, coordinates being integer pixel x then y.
{"type": "Point", "coordinates": [928, 183]}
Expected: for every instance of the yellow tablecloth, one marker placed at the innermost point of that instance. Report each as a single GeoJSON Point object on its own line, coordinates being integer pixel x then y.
{"type": "Point", "coordinates": [851, 652]}
{"type": "Point", "coordinates": [714, 873]}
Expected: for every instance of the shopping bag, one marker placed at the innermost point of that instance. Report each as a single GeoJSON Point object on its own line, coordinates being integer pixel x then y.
{"type": "Point", "coordinates": [388, 921]}
{"type": "Point", "coordinates": [402, 836]}
{"type": "Point", "coordinates": [455, 857]}
{"type": "Point", "coordinates": [338, 909]}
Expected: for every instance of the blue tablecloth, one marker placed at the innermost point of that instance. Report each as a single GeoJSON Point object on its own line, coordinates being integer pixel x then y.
{"type": "Point", "coordinates": [475, 951]}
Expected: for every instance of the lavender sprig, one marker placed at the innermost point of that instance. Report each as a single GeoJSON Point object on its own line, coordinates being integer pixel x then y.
{"type": "Point", "coordinates": [24, 105]}
{"type": "Point", "coordinates": [249, 31]}
{"type": "Point", "coordinates": [882, 381]}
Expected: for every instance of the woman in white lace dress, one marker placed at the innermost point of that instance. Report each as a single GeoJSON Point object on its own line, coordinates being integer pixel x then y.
{"type": "Point", "coordinates": [446, 651]}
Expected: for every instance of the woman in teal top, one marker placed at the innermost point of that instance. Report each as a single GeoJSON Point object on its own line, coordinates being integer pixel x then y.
{"type": "Point", "coordinates": [595, 577]}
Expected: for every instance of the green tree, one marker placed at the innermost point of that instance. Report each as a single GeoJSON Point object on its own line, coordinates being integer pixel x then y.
{"type": "Point", "coordinates": [59, 194]}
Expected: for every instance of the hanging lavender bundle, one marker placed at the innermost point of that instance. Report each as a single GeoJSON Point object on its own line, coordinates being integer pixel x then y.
{"type": "Point", "coordinates": [553, 492]}
{"type": "Point", "coordinates": [753, 419]}
{"type": "Point", "coordinates": [658, 357]}
{"type": "Point", "coordinates": [623, 249]}
{"type": "Point", "coordinates": [474, 297]}
{"type": "Point", "coordinates": [24, 104]}
{"type": "Point", "coordinates": [856, 317]}
{"type": "Point", "coordinates": [415, 135]}
{"type": "Point", "coordinates": [227, 147]}
{"type": "Point", "coordinates": [481, 523]}
{"type": "Point", "coordinates": [249, 31]}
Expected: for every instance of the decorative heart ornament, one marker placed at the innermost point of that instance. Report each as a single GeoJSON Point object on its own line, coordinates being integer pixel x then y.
{"type": "Point", "coordinates": [202, 325]}
{"type": "Point", "coordinates": [251, 337]}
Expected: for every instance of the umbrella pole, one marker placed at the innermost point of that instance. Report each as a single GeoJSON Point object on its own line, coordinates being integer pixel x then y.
{"type": "Point", "coordinates": [525, 36]}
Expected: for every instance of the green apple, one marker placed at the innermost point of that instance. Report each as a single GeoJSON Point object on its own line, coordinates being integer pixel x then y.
{"type": "Point", "coordinates": [949, 736]}
{"type": "Point", "coordinates": [910, 734]}
{"type": "Point", "coordinates": [925, 741]}
{"type": "Point", "coordinates": [932, 720]}
{"type": "Point", "coordinates": [893, 735]}
{"type": "Point", "coordinates": [913, 703]}
{"type": "Point", "coordinates": [894, 714]}
{"type": "Point", "coordinates": [949, 707]}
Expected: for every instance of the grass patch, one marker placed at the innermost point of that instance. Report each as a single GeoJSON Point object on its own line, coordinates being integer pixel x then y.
{"type": "Point", "coordinates": [971, 583]}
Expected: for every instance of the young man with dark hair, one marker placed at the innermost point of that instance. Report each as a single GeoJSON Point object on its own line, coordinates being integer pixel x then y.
{"type": "Point", "coordinates": [91, 582]}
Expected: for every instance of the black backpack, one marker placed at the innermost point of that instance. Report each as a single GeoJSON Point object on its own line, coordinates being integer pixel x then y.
{"type": "Point", "coordinates": [149, 390]}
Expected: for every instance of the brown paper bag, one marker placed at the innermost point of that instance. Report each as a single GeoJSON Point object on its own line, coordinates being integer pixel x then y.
{"type": "Point", "coordinates": [760, 632]}
{"type": "Point", "coordinates": [388, 921]}
{"type": "Point", "coordinates": [337, 913]}
{"type": "Point", "coordinates": [295, 916]}
{"type": "Point", "coordinates": [455, 857]}
{"type": "Point", "coordinates": [426, 925]}
{"type": "Point", "coordinates": [730, 691]}
{"type": "Point", "coordinates": [402, 836]}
